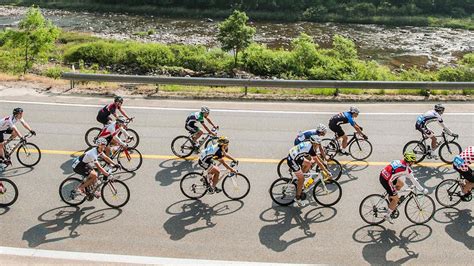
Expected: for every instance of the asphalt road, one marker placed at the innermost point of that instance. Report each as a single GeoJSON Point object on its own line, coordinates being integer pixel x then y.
{"type": "Point", "coordinates": [160, 221]}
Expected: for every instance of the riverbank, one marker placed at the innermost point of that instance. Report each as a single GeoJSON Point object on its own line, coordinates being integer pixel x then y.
{"type": "Point", "coordinates": [311, 14]}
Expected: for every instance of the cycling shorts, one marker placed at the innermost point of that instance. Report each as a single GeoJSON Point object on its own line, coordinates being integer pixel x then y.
{"type": "Point", "coordinates": [390, 191]}
{"type": "Point", "coordinates": [206, 164]}
{"type": "Point", "coordinates": [295, 165]}
{"type": "Point", "coordinates": [191, 127]}
{"type": "Point", "coordinates": [8, 131]}
{"type": "Point", "coordinates": [82, 169]}
{"type": "Point", "coordinates": [103, 118]}
{"type": "Point", "coordinates": [336, 128]}
{"type": "Point", "coordinates": [424, 130]}
{"type": "Point", "coordinates": [468, 175]}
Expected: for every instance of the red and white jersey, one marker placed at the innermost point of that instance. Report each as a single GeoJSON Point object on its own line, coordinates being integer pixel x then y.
{"type": "Point", "coordinates": [8, 122]}
{"type": "Point", "coordinates": [467, 158]}
{"type": "Point", "coordinates": [399, 169]}
{"type": "Point", "coordinates": [111, 130]}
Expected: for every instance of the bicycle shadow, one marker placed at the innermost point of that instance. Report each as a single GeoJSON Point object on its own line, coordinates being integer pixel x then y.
{"type": "Point", "coordinates": [124, 176]}
{"type": "Point", "coordinates": [458, 224]}
{"type": "Point", "coordinates": [16, 171]}
{"type": "Point", "coordinates": [425, 174]}
{"type": "Point", "coordinates": [281, 217]}
{"type": "Point", "coordinates": [172, 171]}
{"type": "Point", "coordinates": [380, 240]}
{"type": "Point", "coordinates": [4, 210]}
{"type": "Point", "coordinates": [189, 213]}
{"type": "Point", "coordinates": [64, 218]}
{"type": "Point", "coordinates": [349, 168]}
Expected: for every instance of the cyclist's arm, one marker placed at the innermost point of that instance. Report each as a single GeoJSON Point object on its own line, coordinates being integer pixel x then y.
{"type": "Point", "coordinates": [230, 157]}
{"type": "Point", "coordinates": [445, 128]}
{"type": "Point", "coordinates": [207, 129]}
{"type": "Point", "coordinates": [323, 152]}
{"type": "Point", "coordinates": [100, 168]}
{"type": "Point", "coordinates": [25, 125]}
{"type": "Point", "coordinates": [223, 162]}
{"type": "Point", "coordinates": [358, 129]}
{"type": "Point", "coordinates": [415, 182]}
{"type": "Point", "coordinates": [15, 129]}
{"type": "Point", "coordinates": [210, 122]}
{"type": "Point", "coordinates": [123, 113]}
{"type": "Point", "coordinates": [107, 159]}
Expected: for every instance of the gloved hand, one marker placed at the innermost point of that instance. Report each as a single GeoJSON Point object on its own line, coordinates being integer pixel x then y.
{"type": "Point", "coordinates": [425, 191]}
{"type": "Point", "coordinates": [33, 132]}
{"type": "Point", "coordinates": [455, 135]}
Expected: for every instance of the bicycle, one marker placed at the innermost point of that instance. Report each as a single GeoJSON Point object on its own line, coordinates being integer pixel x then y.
{"type": "Point", "coordinates": [27, 153]}
{"type": "Point", "coordinates": [195, 185]}
{"type": "Point", "coordinates": [325, 192]}
{"type": "Point", "coordinates": [373, 208]}
{"type": "Point", "coordinates": [8, 192]}
{"type": "Point", "coordinates": [93, 134]}
{"type": "Point", "coordinates": [333, 165]}
{"type": "Point", "coordinates": [184, 146]}
{"type": "Point", "coordinates": [447, 150]}
{"type": "Point", "coordinates": [130, 159]}
{"type": "Point", "coordinates": [447, 192]}
{"type": "Point", "coordinates": [114, 193]}
{"type": "Point", "coordinates": [359, 148]}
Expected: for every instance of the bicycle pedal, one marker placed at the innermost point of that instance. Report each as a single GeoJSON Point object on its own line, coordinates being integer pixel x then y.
{"type": "Point", "coordinates": [395, 214]}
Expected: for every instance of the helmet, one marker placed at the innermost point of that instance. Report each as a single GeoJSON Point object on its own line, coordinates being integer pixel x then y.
{"type": "Point", "coordinates": [322, 128]}
{"type": "Point", "coordinates": [17, 111]}
{"type": "Point", "coordinates": [118, 99]}
{"type": "Point", "coordinates": [439, 108]}
{"type": "Point", "coordinates": [205, 109]}
{"type": "Point", "coordinates": [101, 141]}
{"type": "Point", "coordinates": [354, 110]}
{"type": "Point", "coordinates": [223, 140]}
{"type": "Point", "coordinates": [120, 120]}
{"type": "Point", "coordinates": [409, 156]}
{"type": "Point", "coordinates": [315, 139]}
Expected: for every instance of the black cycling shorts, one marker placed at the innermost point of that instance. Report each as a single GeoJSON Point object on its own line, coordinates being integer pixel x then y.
{"type": "Point", "coordinates": [191, 127]}
{"type": "Point", "coordinates": [8, 131]}
{"type": "Point", "coordinates": [466, 174]}
{"type": "Point", "coordinates": [424, 130]}
{"type": "Point", "coordinates": [387, 187]}
{"type": "Point", "coordinates": [206, 164]}
{"type": "Point", "coordinates": [103, 118]}
{"type": "Point", "coordinates": [82, 169]}
{"type": "Point", "coordinates": [295, 165]}
{"type": "Point", "coordinates": [336, 128]}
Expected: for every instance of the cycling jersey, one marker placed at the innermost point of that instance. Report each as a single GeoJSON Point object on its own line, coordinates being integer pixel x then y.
{"type": "Point", "coordinates": [109, 109]}
{"type": "Point", "coordinates": [343, 118]}
{"type": "Point", "coordinates": [305, 135]}
{"type": "Point", "coordinates": [191, 122]}
{"type": "Point", "coordinates": [464, 159]}
{"type": "Point", "coordinates": [423, 120]}
{"type": "Point", "coordinates": [112, 130]}
{"type": "Point", "coordinates": [8, 122]}
{"type": "Point", "coordinates": [398, 169]}
{"type": "Point", "coordinates": [211, 153]}
{"type": "Point", "coordinates": [297, 153]}
{"type": "Point", "coordinates": [85, 163]}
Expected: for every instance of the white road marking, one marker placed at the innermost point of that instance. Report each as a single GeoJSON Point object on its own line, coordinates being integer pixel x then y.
{"type": "Point", "coordinates": [219, 110]}
{"type": "Point", "coordinates": [112, 258]}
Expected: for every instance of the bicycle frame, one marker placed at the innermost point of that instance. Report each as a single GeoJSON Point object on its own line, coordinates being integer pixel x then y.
{"type": "Point", "coordinates": [16, 146]}
{"type": "Point", "coordinates": [206, 138]}
{"type": "Point", "coordinates": [223, 173]}
{"type": "Point", "coordinates": [412, 192]}
{"type": "Point", "coordinates": [353, 137]}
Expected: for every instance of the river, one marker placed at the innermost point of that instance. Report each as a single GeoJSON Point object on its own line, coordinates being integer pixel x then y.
{"type": "Point", "coordinates": [426, 47]}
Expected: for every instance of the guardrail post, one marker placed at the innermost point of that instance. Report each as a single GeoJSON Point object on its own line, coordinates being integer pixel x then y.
{"type": "Point", "coordinates": [157, 88]}
{"type": "Point", "coordinates": [245, 90]}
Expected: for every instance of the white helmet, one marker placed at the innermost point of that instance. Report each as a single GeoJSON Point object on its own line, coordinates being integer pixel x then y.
{"type": "Point", "coordinates": [439, 108]}
{"type": "Point", "coordinates": [322, 128]}
{"type": "Point", "coordinates": [315, 139]}
{"type": "Point", "coordinates": [354, 110]}
{"type": "Point", "coordinates": [100, 141]}
{"type": "Point", "coordinates": [205, 110]}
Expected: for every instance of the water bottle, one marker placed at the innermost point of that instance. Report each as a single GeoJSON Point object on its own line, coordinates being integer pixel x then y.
{"type": "Point", "coordinates": [308, 182]}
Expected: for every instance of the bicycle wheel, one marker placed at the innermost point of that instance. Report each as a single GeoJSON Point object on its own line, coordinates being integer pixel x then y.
{"type": "Point", "coordinates": [418, 148]}
{"type": "Point", "coordinates": [182, 146]}
{"type": "Point", "coordinates": [68, 194]}
{"type": "Point", "coordinates": [327, 193]}
{"type": "Point", "coordinates": [28, 154]}
{"type": "Point", "coordinates": [360, 149]}
{"type": "Point", "coordinates": [8, 192]}
{"type": "Point", "coordinates": [115, 193]}
{"type": "Point", "coordinates": [373, 208]}
{"type": "Point", "coordinates": [236, 186]}
{"type": "Point", "coordinates": [283, 191]}
{"type": "Point", "coordinates": [283, 169]}
{"type": "Point", "coordinates": [446, 193]}
{"type": "Point", "coordinates": [91, 136]}
{"type": "Point", "coordinates": [420, 209]}
{"type": "Point", "coordinates": [330, 147]}
{"type": "Point", "coordinates": [448, 150]}
{"type": "Point", "coordinates": [193, 185]}
{"type": "Point", "coordinates": [132, 133]}
{"type": "Point", "coordinates": [130, 159]}
{"type": "Point", "coordinates": [334, 167]}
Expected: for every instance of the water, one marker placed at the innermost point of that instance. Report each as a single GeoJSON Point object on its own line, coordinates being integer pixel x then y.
{"type": "Point", "coordinates": [394, 46]}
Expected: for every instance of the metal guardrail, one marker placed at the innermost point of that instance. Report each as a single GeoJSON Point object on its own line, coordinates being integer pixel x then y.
{"type": "Point", "coordinates": [227, 82]}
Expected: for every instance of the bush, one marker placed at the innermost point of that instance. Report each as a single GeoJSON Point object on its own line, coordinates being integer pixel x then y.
{"type": "Point", "coordinates": [54, 72]}
{"type": "Point", "coordinates": [462, 73]}
{"type": "Point", "coordinates": [260, 60]}
{"type": "Point", "coordinates": [148, 56]}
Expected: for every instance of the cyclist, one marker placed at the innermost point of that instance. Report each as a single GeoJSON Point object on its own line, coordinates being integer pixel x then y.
{"type": "Point", "coordinates": [461, 164]}
{"type": "Point", "coordinates": [195, 117]}
{"type": "Point", "coordinates": [103, 116]}
{"type": "Point", "coordinates": [343, 118]}
{"type": "Point", "coordinates": [299, 164]}
{"type": "Point", "coordinates": [7, 126]}
{"type": "Point", "coordinates": [208, 157]}
{"type": "Point", "coordinates": [111, 134]}
{"type": "Point", "coordinates": [393, 177]}
{"type": "Point", "coordinates": [422, 122]}
{"type": "Point", "coordinates": [320, 131]}
{"type": "Point", "coordinates": [84, 165]}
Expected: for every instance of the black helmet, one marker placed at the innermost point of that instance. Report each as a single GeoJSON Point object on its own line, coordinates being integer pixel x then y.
{"type": "Point", "coordinates": [17, 111]}
{"type": "Point", "coordinates": [118, 99]}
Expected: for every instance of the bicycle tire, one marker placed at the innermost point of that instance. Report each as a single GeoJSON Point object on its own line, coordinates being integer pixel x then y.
{"type": "Point", "coordinates": [276, 196]}
{"type": "Point", "coordinates": [455, 150]}
{"type": "Point", "coordinates": [115, 184]}
{"type": "Point", "coordinates": [200, 183]}
{"type": "Point", "coordinates": [182, 150]}
{"type": "Point", "coordinates": [418, 148]}
{"type": "Point", "coordinates": [451, 198]}
{"type": "Point", "coordinates": [283, 164]}
{"type": "Point", "coordinates": [30, 147]}
{"type": "Point", "coordinates": [352, 152]}
{"type": "Point", "coordinates": [136, 138]}
{"type": "Point", "coordinates": [69, 192]}
{"type": "Point", "coordinates": [122, 159]}
{"type": "Point", "coordinates": [335, 168]}
{"type": "Point", "coordinates": [430, 205]}
{"type": "Point", "coordinates": [91, 136]}
{"type": "Point", "coordinates": [8, 185]}
{"type": "Point", "coordinates": [330, 147]}
{"type": "Point", "coordinates": [375, 209]}
{"type": "Point", "coordinates": [245, 181]}
{"type": "Point", "coordinates": [336, 188]}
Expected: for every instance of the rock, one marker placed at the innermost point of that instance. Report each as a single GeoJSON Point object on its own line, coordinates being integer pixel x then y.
{"type": "Point", "coordinates": [209, 20]}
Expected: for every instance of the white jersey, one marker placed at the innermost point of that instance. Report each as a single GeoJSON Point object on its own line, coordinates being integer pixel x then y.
{"type": "Point", "coordinates": [8, 122]}
{"type": "Point", "coordinates": [429, 117]}
{"type": "Point", "coordinates": [302, 150]}
{"type": "Point", "coordinates": [91, 156]}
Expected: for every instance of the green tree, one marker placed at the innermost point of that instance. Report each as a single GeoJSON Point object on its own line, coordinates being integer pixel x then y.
{"type": "Point", "coordinates": [234, 34]}
{"type": "Point", "coordinates": [34, 39]}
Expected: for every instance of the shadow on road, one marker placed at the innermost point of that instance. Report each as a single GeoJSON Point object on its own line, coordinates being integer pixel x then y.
{"type": "Point", "coordinates": [67, 165]}
{"type": "Point", "coordinates": [425, 174]}
{"type": "Point", "coordinates": [350, 170]}
{"type": "Point", "coordinates": [16, 171]}
{"type": "Point", "coordinates": [458, 224]}
{"type": "Point", "coordinates": [281, 219]}
{"type": "Point", "coordinates": [379, 241]}
{"type": "Point", "coordinates": [68, 218]}
{"type": "Point", "coordinates": [4, 210]}
{"type": "Point", "coordinates": [172, 171]}
{"type": "Point", "coordinates": [187, 216]}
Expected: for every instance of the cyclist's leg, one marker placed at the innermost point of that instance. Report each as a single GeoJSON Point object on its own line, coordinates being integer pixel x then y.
{"type": "Point", "coordinates": [214, 172]}
{"type": "Point", "coordinates": [2, 140]}
{"type": "Point", "coordinates": [91, 179]}
{"type": "Point", "coordinates": [306, 165]}
{"type": "Point", "coordinates": [295, 167]}
{"type": "Point", "coordinates": [195, 131]}
{"type": "Point", "coordinates": [392, 194]}
{"type": "Point", "coordinates": [468, 176]}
